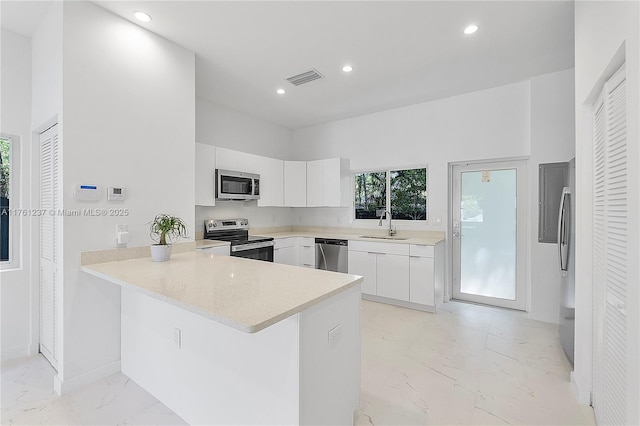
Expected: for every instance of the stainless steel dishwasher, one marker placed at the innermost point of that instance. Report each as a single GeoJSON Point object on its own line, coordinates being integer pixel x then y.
{"type": "Point", "coordinates": [332, 254]}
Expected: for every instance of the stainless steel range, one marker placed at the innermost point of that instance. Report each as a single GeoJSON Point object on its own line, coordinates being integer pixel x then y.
{"type": "Point", "coordinates": [236, 231]}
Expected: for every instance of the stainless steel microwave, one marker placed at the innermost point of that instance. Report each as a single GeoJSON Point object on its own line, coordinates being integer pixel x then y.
{"type": "Point", "coordinates": [232, 185]}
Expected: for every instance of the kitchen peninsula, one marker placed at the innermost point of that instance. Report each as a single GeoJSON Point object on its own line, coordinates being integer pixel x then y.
{"type": "Point", "coordinates": [224, 340]}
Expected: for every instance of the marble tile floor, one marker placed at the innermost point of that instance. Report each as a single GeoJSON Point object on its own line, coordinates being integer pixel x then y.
{"type": "Point", "coordinates": [468, 364]}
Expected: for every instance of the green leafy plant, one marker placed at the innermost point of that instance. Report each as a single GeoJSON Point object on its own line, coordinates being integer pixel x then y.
{"type": "Point", "coordinates": [167, 227]}
{"type": "Point", "coordinates": [4, 168]}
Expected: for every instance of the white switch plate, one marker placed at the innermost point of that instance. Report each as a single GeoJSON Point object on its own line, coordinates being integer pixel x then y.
{"type": "Point", "coordinates": [437, 221]}
{"type": "Point", "coordinates": [334, 335]}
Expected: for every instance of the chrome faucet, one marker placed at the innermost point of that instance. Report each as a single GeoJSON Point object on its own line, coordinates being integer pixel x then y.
{"type": "Point", "coordinates": [388, 214]}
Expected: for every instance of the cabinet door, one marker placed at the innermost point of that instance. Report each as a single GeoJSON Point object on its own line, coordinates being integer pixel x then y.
{"type": "Point", "coordinates": [393, 276]}
{"type": "Point", "coordinates": [307, 252]}
{"type": "Point", "coordinates": [271, 182]}
{"type": "Point", "coordinates": [250, 163]}
{"type": "Point", "coordinates": [205, 174]}
{"type": "Point", "coordinates": [364, 264]}
{"type": "Point", "coordinates": [227, 159]}
{"type": "Point", "coordinates": [314, 183]}
{"type": "Point", "coordinates": [421, 287]}
{"type": "Point", "coordinates": [331, 190]}
{"type": "Point", "coordinates": [295, 183]}
{"type": "Point", "coordinates": [285, 255]}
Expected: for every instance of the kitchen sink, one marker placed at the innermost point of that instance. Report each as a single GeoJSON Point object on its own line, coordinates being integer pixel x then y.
{"type": "Point", "coordinates": [383, 238]}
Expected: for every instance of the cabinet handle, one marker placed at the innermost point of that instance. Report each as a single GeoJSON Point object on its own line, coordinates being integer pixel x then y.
{"type": "Point", "coordinates": [417, 257]}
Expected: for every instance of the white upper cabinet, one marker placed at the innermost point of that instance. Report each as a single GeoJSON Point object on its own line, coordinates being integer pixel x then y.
{"type": "Point", "coordinates": [314, 183]}
{"type": "Point", "coordinates": [227, 159]}
{"type": "Point", "coordinates": [295, 183]}
{"type": "Point", "coordinates": [318, 183]}
{"type": "Point", "coordinates": [328, 183]}
{"type": "Point", "coordinates": [205, 174]}
{"type": "Point", "coordinates": [271, 172]}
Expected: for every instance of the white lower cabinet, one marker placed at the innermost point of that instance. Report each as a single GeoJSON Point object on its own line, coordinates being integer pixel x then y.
{"type": "Point", "coordinates": [392, 272]}
{"type": "Point", "coordinates": [403, 274]}
{"type": "Point", "coordinates": [285, 251]}
{"type": "Point", "coordinates": [307, 252]}
{"type": "Point", "coordinates": [421, 288]}
{"type": "Point", "coordinates": [364, 263]}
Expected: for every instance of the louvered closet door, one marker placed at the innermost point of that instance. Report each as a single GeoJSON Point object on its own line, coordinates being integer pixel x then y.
{"type": "Point", "coordinates": [610, 253]}
{"type": "Point", "coordinates": [49, 243]}
{"type": "Point", "coordinates": [599, 261]}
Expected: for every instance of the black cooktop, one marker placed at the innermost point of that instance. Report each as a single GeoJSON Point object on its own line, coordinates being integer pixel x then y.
{"type": "Point", "coordinates": [235, 231]}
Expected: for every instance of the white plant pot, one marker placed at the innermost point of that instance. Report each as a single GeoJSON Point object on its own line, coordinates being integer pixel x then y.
{"type": "Point", "coordinates": [160, 253]}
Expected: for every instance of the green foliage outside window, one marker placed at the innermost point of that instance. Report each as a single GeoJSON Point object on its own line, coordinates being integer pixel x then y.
{"type": "Point", "coordinates": [409, 194]}
{"type": "Point", "coordinates": [407, 190]}
{"type": "Point", "coordinates": [5, 167]}
{"type": "Point", "coordinates": [370, 194]}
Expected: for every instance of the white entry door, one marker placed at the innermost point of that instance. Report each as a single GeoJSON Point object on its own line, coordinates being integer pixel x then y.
{"type": "Point", "coordinates": [489, 233]}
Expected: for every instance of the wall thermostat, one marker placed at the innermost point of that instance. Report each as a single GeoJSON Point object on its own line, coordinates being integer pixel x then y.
{"type": "Point", "coordinates": [115, 193]}
{"type": "Point", "coordinates": [85, 192]}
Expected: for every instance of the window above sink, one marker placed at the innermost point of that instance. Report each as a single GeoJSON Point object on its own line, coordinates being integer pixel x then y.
{"type": "Point", "coordinates": [402, 191]}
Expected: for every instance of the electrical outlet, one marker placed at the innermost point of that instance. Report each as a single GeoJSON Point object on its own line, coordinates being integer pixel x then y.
{"type": "Point", "coordinates": [122, 235]}
{"type": "Point", "coordinates": [334, 335]}
{"type": "Point", "coordinates": [437, 221]}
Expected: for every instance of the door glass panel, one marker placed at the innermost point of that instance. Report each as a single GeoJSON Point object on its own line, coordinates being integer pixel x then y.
{"type": "Point", "coordinates": [488, 233]}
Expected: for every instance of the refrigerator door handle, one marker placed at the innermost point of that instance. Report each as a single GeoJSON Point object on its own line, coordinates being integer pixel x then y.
{"type": "Point", "coordinates": [563, 231]}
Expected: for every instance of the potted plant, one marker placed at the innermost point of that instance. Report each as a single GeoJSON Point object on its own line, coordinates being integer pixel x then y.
{"type": "Point", "coordinates": [164, 229]}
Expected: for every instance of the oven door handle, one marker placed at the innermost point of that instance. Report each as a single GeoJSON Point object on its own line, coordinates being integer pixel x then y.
{"type": "Point", "coordinates": [252, 246]}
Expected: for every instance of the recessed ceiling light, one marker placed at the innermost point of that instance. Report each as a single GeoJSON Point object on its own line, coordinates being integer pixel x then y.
{"type": "Point", "coordinates": [142, 17]}
{"type": "Point", "coordinates": [280, 91]}
{"type": "Point", "coordinates": [347, 68]}
{"type": "Point", "coordinates": [471, 29]}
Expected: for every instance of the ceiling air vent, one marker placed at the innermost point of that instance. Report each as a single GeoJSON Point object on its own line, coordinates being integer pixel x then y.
{"type": "Point", "coordinates": [305, 77]}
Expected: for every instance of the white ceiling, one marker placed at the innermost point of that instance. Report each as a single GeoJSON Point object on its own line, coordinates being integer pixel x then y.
{"type": "Point", "coordinates": [402, 52]}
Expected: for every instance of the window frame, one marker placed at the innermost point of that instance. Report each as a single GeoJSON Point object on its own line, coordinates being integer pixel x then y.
{"type": "Point", "coordinates": [15, 221]}
{"type": "Point", "coordinates": [388, 171]}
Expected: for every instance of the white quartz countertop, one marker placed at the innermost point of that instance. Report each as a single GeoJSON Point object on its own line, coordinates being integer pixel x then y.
{"type": "Point", "coordinates": [248, 295]}
{"type": "Point", "coordinates": [404, 238]}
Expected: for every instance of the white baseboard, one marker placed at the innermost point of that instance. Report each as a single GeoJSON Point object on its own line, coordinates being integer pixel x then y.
{"type": "Point", "coordinates": [583, 396]}
{"type": "Point", "coordinates": [14, 353]}
{"type": "Point", "coordinates": [77, 382]}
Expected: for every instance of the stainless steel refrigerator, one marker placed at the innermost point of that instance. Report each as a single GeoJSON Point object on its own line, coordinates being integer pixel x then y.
{"type": "Point", "coordinates": [566, 255]}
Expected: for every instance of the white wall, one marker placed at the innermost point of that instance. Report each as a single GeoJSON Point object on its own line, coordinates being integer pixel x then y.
{"type": "Point", "coordinates": [46, 81]}
{"type": "Point", "coordinates": [15, 285]}
{"type": "Point", "coordinates": [129, 120]}
{"type": "Point", "coordinates": [226, 128]}
{"type": "Point", "coordinates": [223, 127]}
{"type": "Point", "coordinates": [602, 29]}
{"type": "Point", "coordinates": [496, 123]}
{"type": "Point", "coordinates": [487, 124]}
{"type": "Point", "coordinates": [552, 140]}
